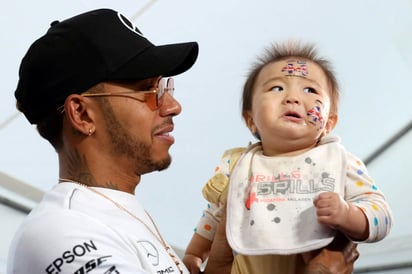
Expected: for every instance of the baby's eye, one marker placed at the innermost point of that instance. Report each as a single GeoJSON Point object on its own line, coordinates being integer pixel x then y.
{"type": "Point", "coordinates": [309, 90]}
{"type": "Point", "coordinates": [276, 88]}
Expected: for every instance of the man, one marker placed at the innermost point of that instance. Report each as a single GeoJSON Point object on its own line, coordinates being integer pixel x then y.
{"type": "Point", "coordinates": [95, 88]}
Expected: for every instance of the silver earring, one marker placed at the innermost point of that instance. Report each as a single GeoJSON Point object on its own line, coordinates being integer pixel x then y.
{"type": "Point", "coordinates": [90, 131]}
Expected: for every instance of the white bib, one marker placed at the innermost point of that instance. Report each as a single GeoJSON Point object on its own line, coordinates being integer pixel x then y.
{"type": "Point", "coordinates": [270, 201]}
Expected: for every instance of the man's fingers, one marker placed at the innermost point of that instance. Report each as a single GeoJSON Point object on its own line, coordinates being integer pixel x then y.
{"type": "Point", "coordinates": [351, 252]}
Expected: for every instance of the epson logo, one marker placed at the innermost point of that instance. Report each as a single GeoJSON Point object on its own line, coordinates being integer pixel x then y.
{"type": "Point", "coordinates": [70, 255]}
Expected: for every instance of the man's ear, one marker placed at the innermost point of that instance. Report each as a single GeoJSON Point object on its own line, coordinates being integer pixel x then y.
{"type": "Point", "coordinates": [78, 114]}
{"type": "Point", "coordinates": [330, 124]}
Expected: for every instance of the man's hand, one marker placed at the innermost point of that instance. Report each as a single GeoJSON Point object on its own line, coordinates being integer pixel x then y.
{"type": "Point", "coordinates": [337, 258]}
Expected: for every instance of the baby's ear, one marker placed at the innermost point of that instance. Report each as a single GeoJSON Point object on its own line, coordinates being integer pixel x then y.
{"type": "Point", "coordinates": [249, 122]}
{"type": "Point", "coordinates": [330, 124]}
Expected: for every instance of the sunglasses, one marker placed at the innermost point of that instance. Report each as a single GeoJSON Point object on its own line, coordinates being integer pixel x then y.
{"type": "Point", "coordinates": [153, 98]}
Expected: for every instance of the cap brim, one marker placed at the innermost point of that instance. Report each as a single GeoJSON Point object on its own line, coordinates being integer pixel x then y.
{"type": "Point", "coordinates": [163, 60]}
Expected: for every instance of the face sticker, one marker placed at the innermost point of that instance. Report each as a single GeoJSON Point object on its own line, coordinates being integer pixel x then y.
{"type": "Point", "coordinates": [295, 68]}
{"type": "Point", "coordinates": [315, 115]}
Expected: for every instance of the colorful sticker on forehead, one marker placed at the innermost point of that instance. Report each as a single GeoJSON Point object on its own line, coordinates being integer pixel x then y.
{"type": "Point", "coordinates": [295, 68]}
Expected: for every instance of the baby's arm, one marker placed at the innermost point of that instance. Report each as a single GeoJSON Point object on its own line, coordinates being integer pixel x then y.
{"type": "Point", "coordinates": [199, 247]}
{"type": "Point", "coordinates": [196, 253]}
{"type": "Point", "coordinates": [363, 214]}
{"type": "Point", "coordinates": [334, 211]}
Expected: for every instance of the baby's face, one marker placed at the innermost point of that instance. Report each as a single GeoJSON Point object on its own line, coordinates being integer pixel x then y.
{"type": "Point", "coordinates": [290, 106]}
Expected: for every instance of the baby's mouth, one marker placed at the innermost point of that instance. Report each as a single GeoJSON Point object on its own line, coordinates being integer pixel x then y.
{"type": "Point", "coordinates": [292, 114]}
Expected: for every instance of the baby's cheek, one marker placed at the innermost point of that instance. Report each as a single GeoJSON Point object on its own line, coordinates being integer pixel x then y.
{"type": "Point", "coordinates": [316, 117]}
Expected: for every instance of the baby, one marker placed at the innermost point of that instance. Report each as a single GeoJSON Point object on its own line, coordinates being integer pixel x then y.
{"type": "Point", "coordinates": [288, 194]}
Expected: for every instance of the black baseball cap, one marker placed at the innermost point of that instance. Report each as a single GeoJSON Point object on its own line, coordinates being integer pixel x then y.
{"type": "Point", "coordinates": [96, 46]}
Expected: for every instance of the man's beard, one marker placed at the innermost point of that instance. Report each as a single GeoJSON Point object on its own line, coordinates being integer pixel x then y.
{"type": "Point", "coordinates": [125, 144]}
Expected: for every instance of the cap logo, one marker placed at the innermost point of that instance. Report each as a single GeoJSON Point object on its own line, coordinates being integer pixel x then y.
{"type": "Point", "coordinates": [126, 22]}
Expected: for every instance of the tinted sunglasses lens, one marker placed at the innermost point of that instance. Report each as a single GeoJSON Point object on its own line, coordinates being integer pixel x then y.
{"type": "Point", "coordinates": [151, 100]}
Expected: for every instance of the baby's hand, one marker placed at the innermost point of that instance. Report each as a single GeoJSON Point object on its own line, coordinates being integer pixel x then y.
{"type": "Point", "coordinates": [331, 209]}
{"type": "Point", "coordinates": [193, 263]}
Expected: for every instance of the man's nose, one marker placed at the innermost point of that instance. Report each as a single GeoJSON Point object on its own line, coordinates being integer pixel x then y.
{"type": "Point", "coordinates": [170, 106]}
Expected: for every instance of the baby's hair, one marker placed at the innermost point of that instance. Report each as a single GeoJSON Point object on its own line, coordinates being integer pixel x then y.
{"type": "Point", "coordinates": [286, 50]}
